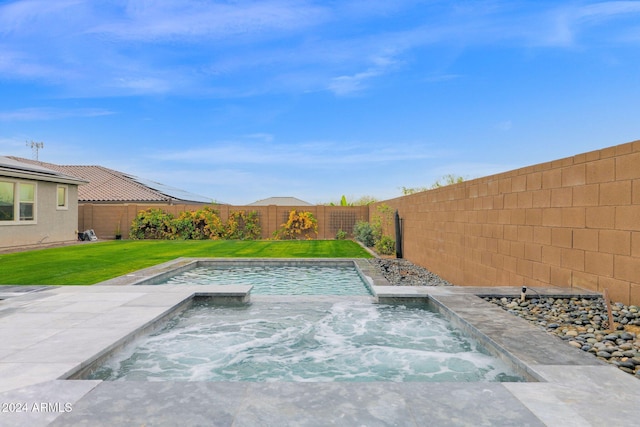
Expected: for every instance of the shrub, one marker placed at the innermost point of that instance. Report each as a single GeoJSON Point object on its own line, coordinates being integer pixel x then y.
{"type": "Point", "coordinates": [385, 246]}
{"type": "Point", "coordinates": [382, 221]}
{"type": "Point", "coordinates": [363, 232]}
{"type": "Point", "coordinates": [299, 225]}
{"type": "Point", "coordinates": [184, 227]}
{"type": "Point", "coordinates": [243, 226]}
{"type": "Point", "coordinates": [208, 224]}
{"type": "Point", "coordinates": [373, 234]}
{"type": "Point", "coordinates": [341, 235]}
{"type": "Point", "coordinates": [202, 224]}
{"type": "Point", "coordinates": [152, 224]}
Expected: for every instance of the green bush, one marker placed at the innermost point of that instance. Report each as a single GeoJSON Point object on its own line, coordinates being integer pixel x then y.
{"type": "Point", "coordinates": [373, 234]}
{"type": "Point", "coordinates": [341, 235]}
{"type": "Point", "coordinates": [385, 246]}
{"type": "Point", "coordinates": [205, 224]}
{"type": "Point", "coordinates": [184, 227]}
{"type": "Point", "coordinates": [243, 225]}
{"type": "Point", "coordinates": [363, 232]}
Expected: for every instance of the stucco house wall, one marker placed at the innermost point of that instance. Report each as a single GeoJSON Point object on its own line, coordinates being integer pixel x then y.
{"type": "Point", "coordinates": [51, 223]}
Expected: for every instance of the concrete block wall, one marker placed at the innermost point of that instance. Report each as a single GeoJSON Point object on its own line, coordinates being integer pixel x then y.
{"type": "Point", "coordinates": [572, 222]}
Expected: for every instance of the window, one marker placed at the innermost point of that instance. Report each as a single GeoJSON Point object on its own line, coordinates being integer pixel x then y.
{"type": "Point", "coordinates": [7, 193]}
{"type": "Point", "coordinates": [17, 201]}
{"type": "Point", "coordinates": [27, 201]}
{"type": "Point", "coordinates": [62, 197]}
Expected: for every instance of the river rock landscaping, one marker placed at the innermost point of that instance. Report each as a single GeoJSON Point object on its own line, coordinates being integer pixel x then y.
{"type": "Point", "coordinates": [583, 323]}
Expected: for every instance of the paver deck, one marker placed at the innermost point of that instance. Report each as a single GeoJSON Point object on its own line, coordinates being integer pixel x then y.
{"type": "Point", "coordinates": [51, 334]}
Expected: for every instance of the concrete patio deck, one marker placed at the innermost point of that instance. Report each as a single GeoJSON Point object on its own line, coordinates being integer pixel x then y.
{"type": "Point", "coordinates": [50, 334]}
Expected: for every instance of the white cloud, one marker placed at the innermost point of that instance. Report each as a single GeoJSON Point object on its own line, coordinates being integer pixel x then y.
{"type": "Point", "coordinates": [316, 154]}
{"type": "Point", "coordinates": [27, 15]}
{"type": "Point", "coordinates": [603, 10]}
{"type": "Point", "coordinates": [24, 65]}
{"type": "Point", "coordinates": [347, 85]}
{"type": "Point", "coordinates": [155, 19]}
{"type": "Point", "coordinates": [243, 48]}
{"type": "Point", "coordinates": [30, 114]}
{"type": "Point", "coordinates": [144, 85]}
{"type": "Point", "coordinates": [381, 62]}
{"type": "Point", "coordinates": [563, 25]}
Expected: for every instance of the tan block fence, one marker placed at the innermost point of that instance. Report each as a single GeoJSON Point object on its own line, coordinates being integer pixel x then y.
{"type": "Point", "coordinates": [573, 222]}
{"type": "Point", "coordinates": [105, 218]}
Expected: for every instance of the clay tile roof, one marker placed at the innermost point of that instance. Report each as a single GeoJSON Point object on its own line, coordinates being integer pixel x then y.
{"type": "Point", "coordinates": [108, 185]}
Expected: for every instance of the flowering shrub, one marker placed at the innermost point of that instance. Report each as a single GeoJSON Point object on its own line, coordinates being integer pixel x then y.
{"type": "Point", "coordinates": [243, 225]}
{"type": "Point", "coordinates": [299, 225]}
{"type": "Point", "coordinates": [203, 224]}
{"type": "Point", "coordinates": [152, 224]}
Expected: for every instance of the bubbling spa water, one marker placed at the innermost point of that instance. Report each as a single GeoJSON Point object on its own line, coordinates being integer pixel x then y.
{"type": "Point", "coordinates": [311, 341]}
{"type": "Point", "coordinates": [279, 279]}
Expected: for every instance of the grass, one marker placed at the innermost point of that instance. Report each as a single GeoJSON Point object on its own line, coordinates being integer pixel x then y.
{"type": "Point", "coordinates": [89, 263]}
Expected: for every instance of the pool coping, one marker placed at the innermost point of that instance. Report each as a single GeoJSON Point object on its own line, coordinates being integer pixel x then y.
{"type": "Point", "coordinates": [51, 334]}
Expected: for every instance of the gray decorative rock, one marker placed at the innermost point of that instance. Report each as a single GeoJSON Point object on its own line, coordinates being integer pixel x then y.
{"type": "Point", "coordinates": [583, 323]}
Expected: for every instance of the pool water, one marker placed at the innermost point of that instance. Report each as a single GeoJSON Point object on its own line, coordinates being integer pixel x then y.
{"type": "Point", "coordinates": [311, 341]}
{"type": "Point", "coordinates": [279, 279]}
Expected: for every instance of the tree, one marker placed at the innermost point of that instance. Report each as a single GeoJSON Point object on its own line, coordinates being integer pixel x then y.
{"type": "Point", "coordinates": [406, 191]}
{"type": "Point", "coordinates": [448, 179]}
{"type": "Point", "coordinates": [362, 201]}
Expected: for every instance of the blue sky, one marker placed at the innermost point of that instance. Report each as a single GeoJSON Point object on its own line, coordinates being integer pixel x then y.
{"type": "Point", "coordinates": [243, 100]}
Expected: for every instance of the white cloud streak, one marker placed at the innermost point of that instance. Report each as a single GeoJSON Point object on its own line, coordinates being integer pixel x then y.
{"type": "Point", "coordinates": [346, 85]}
{"type": "Point", "coordinates": [564, 25]}
{"type": "Point", "coordinates": [310, 154]}
{"type": "Point", "coordinates": [148, 20]}
{"type": "Point", "coordinates": [33, 114]}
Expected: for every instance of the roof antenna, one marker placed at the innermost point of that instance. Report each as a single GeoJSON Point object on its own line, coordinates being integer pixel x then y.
{"type": "Point", "coordinates": [35, 147]}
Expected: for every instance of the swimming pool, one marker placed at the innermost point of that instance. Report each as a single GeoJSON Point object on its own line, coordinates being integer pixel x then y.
{"type": "Point", "coordinates": [303, 342]}
{"type": "Point", "coordinates": [278, 277]}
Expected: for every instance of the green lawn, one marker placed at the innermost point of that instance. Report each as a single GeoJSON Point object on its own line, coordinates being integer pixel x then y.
{"type": "Point", "coordinates": [89, 263]}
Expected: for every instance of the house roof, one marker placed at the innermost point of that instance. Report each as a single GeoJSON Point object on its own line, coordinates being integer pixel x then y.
{"type": "Point", "coordinates": [280, 201]}
{"type": "Point", "coordinates": [108, 185]}
{"type": "Point", "coordinates": [17, 168]}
